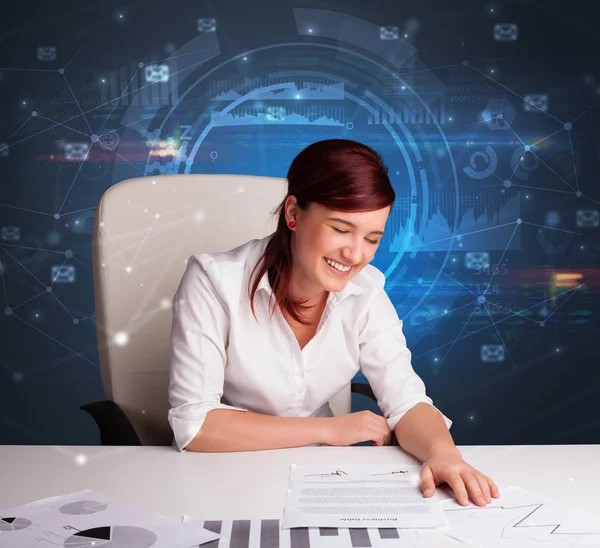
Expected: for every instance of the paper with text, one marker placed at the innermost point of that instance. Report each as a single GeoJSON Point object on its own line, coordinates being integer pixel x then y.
{"type": "Point", "coordinates": [359, 496]}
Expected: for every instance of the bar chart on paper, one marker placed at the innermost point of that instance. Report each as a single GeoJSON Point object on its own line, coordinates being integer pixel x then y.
{"type": "Point", "coordinates": [267, 533]}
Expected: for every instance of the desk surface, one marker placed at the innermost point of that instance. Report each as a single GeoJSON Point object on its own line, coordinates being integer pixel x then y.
{"type": "Point", "coordinates": [253, 484]}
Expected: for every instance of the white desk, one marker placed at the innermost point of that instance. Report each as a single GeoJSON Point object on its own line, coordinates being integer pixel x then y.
{"type": "Point", "coordinates": [254, 484]}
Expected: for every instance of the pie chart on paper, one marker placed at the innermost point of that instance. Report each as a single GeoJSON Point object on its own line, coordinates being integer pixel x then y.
{"type": "Point", "coordinates": [117, 536]}
{"type": "Point", "coordinates": [83, 507]}
{"type": "Point", "coordinates": [13, 524]}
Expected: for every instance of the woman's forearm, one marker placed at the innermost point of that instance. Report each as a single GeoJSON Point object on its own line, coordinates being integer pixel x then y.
{"type": "Point", "coordinates": [423, 432]}
{"type": "Point", "coordinates": [226, 430]}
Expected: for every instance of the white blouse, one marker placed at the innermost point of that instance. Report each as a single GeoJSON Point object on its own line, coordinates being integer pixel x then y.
{"type": "Point", "coordinates": [221, 358]}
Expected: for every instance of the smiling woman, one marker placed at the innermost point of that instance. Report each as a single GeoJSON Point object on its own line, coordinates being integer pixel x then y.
{"type": "Point", "coordinates": [251, 374]}
{"type": "Point", "coordinates": [339, 197]}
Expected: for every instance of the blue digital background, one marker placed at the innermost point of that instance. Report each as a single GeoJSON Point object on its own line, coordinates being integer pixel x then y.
{"type": "Point", "coordinates": [484, 112]}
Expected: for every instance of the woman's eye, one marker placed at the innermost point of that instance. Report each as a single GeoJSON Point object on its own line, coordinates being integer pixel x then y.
{"type": "Point", "coordinates": [374, 242]}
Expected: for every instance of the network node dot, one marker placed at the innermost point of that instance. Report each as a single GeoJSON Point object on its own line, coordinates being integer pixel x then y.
{"type": "Point", "coordinates": [465, 63]}
{"type": "Point", "coordinates": [56, 216]}
{"type": "Point", "coordinates": [61, 71]}
{"type": "Point", "coordinates": [519, 221]}
{"type": "Point", "coordinates": [568, 126]}
{"type": "Point", "coordinates": [68, 253]}
{"type": "Point", "coordinates": [48, 289]}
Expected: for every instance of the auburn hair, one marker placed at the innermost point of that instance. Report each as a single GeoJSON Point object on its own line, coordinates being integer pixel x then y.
{"type": "Point", "coordinates": [339, 174]}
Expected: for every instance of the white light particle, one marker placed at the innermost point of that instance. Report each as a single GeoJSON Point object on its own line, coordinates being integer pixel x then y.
{"type": "Point", "coordinates": [165, 303]}
{"type": "Point", "coordinates": [121, 338]}
{"type": "Point", "coordinates": [81, 459]}
{"type": "Point", "coordinates": [128, 269]}
{"type": "Point", "coordinates": [157, 216]}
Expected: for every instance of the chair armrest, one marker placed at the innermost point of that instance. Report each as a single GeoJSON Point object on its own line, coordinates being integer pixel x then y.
{"type": "Point", "coordinates": [115, 427]}
{"type": "Point", "coordinates": [363, 388]}
{"type": "Point", "coordinates": [366, 390]}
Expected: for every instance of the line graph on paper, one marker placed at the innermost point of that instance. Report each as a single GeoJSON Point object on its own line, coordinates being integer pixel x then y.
{"type": "Point", "coordinates": [520, 519]}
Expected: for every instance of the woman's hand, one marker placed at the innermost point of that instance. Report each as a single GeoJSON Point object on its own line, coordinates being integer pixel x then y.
{"type": "Point", "coordinates": [448, 466]}
{"type": "Point", "coordinates": [358, 427]}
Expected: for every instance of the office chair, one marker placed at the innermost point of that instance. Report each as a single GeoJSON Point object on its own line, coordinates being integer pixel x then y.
{"type": "Point", "coordinates": [144, 231]}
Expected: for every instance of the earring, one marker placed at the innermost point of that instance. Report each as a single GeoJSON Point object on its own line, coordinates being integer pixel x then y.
{"type": "Point", "coordinates": [292, 224]}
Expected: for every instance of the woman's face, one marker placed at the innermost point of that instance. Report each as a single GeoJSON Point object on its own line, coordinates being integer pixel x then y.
{"type": "Point", "coordinates": [322, 236]}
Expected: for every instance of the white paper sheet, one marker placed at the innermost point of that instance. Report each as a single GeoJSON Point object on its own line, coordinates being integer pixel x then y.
{"type": "Point", "coordinates": [520, 519]}
{"type": "Point", "coordinates": [268, 533]}
{"type": "Point", "coordinates": [87, 519]}
{"type": "Point", "coordinates": [359, 496]}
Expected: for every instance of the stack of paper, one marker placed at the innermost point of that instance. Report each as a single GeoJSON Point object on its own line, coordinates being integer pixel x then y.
{"type": "Point", "coordinates": [86, 519]}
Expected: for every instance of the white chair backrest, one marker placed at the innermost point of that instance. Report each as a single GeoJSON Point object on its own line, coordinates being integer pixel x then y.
{"type": "Point", "coordinates": [144, 231]}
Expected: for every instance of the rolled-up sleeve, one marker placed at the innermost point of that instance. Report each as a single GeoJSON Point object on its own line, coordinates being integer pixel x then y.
{"type": "Point", "coordinates": [199, 336]}
{"type": "Point", "coordinates": [385, 361]}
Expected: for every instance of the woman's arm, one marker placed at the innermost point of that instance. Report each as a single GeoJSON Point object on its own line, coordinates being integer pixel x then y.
{"type": "Point", "coordinates": [225, 430]}
{"type": "Point", "coordinates": [422, 432]}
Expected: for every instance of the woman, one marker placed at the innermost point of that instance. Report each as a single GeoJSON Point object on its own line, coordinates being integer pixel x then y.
{"type": "Point", "coordinates": [265, 334]}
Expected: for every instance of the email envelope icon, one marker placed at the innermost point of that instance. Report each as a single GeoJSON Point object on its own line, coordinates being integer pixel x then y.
{"type": "Point", "coordinates": [10, 233]}
{"type": "Point", "coordinates": [157, 73]}
{"type": "Point", "coordinates": [505, 32]}
{"type": "Point", "coordinates": [76, 151]}
{"type": "Point", "coordinates": [207, 25]}
{"type": "Point", "coordinates": [535, 102]}
{"type": "Point", "coordinates": [587, 218]}
{"type": "Point", "coordinates": [389, 33]}
{"type": "Point", "coordinates": [46, 53]}
{"type": "Point", "coordinates": [492, 353]}
{"type": "Point", "coordinates": [477, 259]}
{"type": "Point", "coordinates": [64, 274]}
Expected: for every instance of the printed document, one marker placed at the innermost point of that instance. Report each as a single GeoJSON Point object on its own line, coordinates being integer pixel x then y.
{"type": "Point", "coordinates": [360, 496]}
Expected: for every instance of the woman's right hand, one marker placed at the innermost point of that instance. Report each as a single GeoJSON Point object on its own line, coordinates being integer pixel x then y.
{"type": "Point", "coordinates": [358, 427]}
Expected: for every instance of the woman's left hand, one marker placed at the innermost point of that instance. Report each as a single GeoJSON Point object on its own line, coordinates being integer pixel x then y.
{"type": "Point", "coordinates": [449, 466]}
